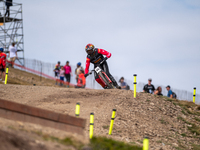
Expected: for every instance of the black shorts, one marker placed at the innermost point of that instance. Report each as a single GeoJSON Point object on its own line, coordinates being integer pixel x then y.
{"type": "Point", "coordinates": [56, 74]}
{"type": "Point", "coordinates": [2, 69]}
{"type": "Point", "coordinates": [67, 76]}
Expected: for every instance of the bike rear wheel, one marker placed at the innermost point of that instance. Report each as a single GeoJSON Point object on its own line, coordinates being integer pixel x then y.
{"type": "Point", "coordinates": [110, 85]}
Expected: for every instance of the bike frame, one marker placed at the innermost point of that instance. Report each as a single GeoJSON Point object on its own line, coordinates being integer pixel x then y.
{"type": "Point", "coordinates": [106, 77]}
{"type": "Point", "coordinates": [98, 69]}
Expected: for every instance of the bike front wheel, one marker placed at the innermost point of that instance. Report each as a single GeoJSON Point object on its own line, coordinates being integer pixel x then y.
{"type": "Point", "coordinates": [104, 78]}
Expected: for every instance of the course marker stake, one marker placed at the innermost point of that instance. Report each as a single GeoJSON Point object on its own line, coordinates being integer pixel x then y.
{"type": "Point", "coordinates": [91, 124]}
{"type": "Point", "coordinates": [146, 143]}
{"type": "Point", "coordinates": [112, 121]}
{"type": "Point", "coordinates": [194, 94]}
{"type": "Point", "coordinates": [77, 111]}
{"type": "Point", "coordinates": [6, 75]}
{"type": "Point", "coordinates": [134, 90]}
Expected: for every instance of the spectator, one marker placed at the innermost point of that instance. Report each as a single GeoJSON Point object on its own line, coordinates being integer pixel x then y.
{"type": "Point", "coordinates": [149, 88]}
{"type": "Point", "coordinates": [62, 75]}
{"type": "Point", "coordinates": [158, 91]}
{"type": "Point", "coordinates": [123, 85]}
{"type": "Point", "coordinates": [57, 70]}
{"type": "Point", "coordinates": [77, 70]}
{"type": "Point", "coordinates": [12, 53]}
{"type": "Point", "coordinates": [58, 65]}
{"type": "Point", "coordinates": [8, 4]}
{"type": "Point", "coordinates": [2, 64]}
{"type": "Point", "coordinates": [67, 69]}
{"type": "Point", "coordinates": [81, 79]}
{"type": "Point", "coordinates": [170, 93]}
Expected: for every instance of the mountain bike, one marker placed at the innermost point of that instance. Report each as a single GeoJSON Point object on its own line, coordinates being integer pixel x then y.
{"type": "Point", "coordinates": [102, 75]}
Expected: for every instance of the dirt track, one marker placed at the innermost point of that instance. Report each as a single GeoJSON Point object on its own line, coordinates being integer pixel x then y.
{"type": "Point", "coordinates": [147, 115]}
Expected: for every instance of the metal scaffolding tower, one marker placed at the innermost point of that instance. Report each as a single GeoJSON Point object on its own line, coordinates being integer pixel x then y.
{"type": "Point", "coordinates": [11, 29]}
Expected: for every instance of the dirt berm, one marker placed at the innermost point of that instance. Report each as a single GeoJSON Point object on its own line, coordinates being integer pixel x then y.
{"type": "Point", "coordinates": [169, 124]}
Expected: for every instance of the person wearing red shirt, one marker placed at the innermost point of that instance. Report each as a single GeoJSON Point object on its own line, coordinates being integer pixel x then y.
{"type": "Point", "coordinates": [81, 79]}
{"type": "Point", "coordinates": [2, 63]}
{"type": "Point", "coordinates": [95, 56]}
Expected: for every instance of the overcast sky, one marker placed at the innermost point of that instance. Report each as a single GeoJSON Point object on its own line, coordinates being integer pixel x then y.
{"type": "Point", "coordinates": [158, 39]}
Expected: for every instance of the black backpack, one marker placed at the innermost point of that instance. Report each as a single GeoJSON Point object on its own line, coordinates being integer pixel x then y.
{"type": "Point", "coordinates": [127, 87]}
{"type": "Point", "coordinates": [174, 95]}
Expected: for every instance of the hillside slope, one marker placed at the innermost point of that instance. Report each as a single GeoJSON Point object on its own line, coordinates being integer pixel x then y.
{"type": "Point", "coordinates": [16, 76]}
{"type": "Point", "coordinates": [170, 124]}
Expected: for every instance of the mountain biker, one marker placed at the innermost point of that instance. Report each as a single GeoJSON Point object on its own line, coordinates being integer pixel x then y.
{"type": "Point", "coordinates": [95, 56]}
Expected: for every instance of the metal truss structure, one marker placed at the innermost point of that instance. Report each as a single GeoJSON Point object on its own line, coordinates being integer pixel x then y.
{"type": "Point", "coordinates": [11, 29]}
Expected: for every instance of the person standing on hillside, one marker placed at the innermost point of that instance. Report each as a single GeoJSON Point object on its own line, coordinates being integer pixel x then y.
{"type": "Point", "coordinates": [2, 64]}
{"type": "Point", "coordinates": [8, 4]}
{"type": "Point", "coordinates": [57, 71]}
{"type": "Point", "coordinates": [170, 93]}
{"type": "Point", "coordinates": [124, 85]}
{"type": "Point", "coordinates": [12, 53]}
{"type": "Point", "coordinates": [62, 75]}
{"type": "Point", "coordinates": [158, 91]}
{"type": "Point", "coordinates": [58, 65]}
{"type": "Point", "coordinates": [149, 88]}
{"type": "Point", "coordinates": [78, 68]}
{"type": "Point", "coordinates": [68, 71]}
{"type": "Point", "coordinates": [81, 79]}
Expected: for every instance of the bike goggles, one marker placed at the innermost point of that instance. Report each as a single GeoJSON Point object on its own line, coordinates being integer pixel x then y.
{"type": "Point", "coordinates": [89, 51]}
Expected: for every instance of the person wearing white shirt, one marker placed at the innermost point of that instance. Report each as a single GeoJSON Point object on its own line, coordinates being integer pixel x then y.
{"type": "Point", "coordinates": [12, 53]}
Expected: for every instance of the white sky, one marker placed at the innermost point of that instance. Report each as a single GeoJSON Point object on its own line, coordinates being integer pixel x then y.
{"type": "Point", "coordinates": [158, 38]}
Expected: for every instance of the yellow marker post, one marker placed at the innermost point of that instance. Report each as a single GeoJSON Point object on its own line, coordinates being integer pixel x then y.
{"type": "Point", "coordinates": [6, 75]}
{"type": "Point", "coordinates": [134, 90]}
{"type": "Point", "coordinates": [194, 94]}
{"type": "Point", "coordinates": [77, 111]}
{"type": "Point", "coordinates": [146, 143]}
{"type": "Point", "coordinates": [112, 121]}
{"type": "Point", "coordinates": [91, 124]}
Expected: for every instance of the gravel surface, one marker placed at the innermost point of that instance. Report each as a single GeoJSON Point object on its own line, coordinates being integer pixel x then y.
{"type": "Point", "coordinates": [146, 115]}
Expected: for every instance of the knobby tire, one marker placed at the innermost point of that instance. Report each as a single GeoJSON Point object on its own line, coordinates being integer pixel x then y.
{"type": "Point", "coordinates": [110, 86]}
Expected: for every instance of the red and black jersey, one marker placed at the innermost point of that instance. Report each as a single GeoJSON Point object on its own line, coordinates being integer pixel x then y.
{"type": "Point", "coordinates": [3, 59]}
{"type": "Point", "coordinates": [96, 58]}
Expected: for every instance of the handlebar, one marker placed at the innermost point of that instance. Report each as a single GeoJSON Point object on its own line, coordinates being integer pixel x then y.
{"type": "Point", "coordinates": [88, 73]}
{"type": "Point", "coordinates": [104, 60]}
{"type": "Point", "coordinates": [97, 65]}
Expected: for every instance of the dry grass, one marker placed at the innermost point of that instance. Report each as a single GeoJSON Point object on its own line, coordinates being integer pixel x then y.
{"type": "Point", "coordinates": [20, 77]}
